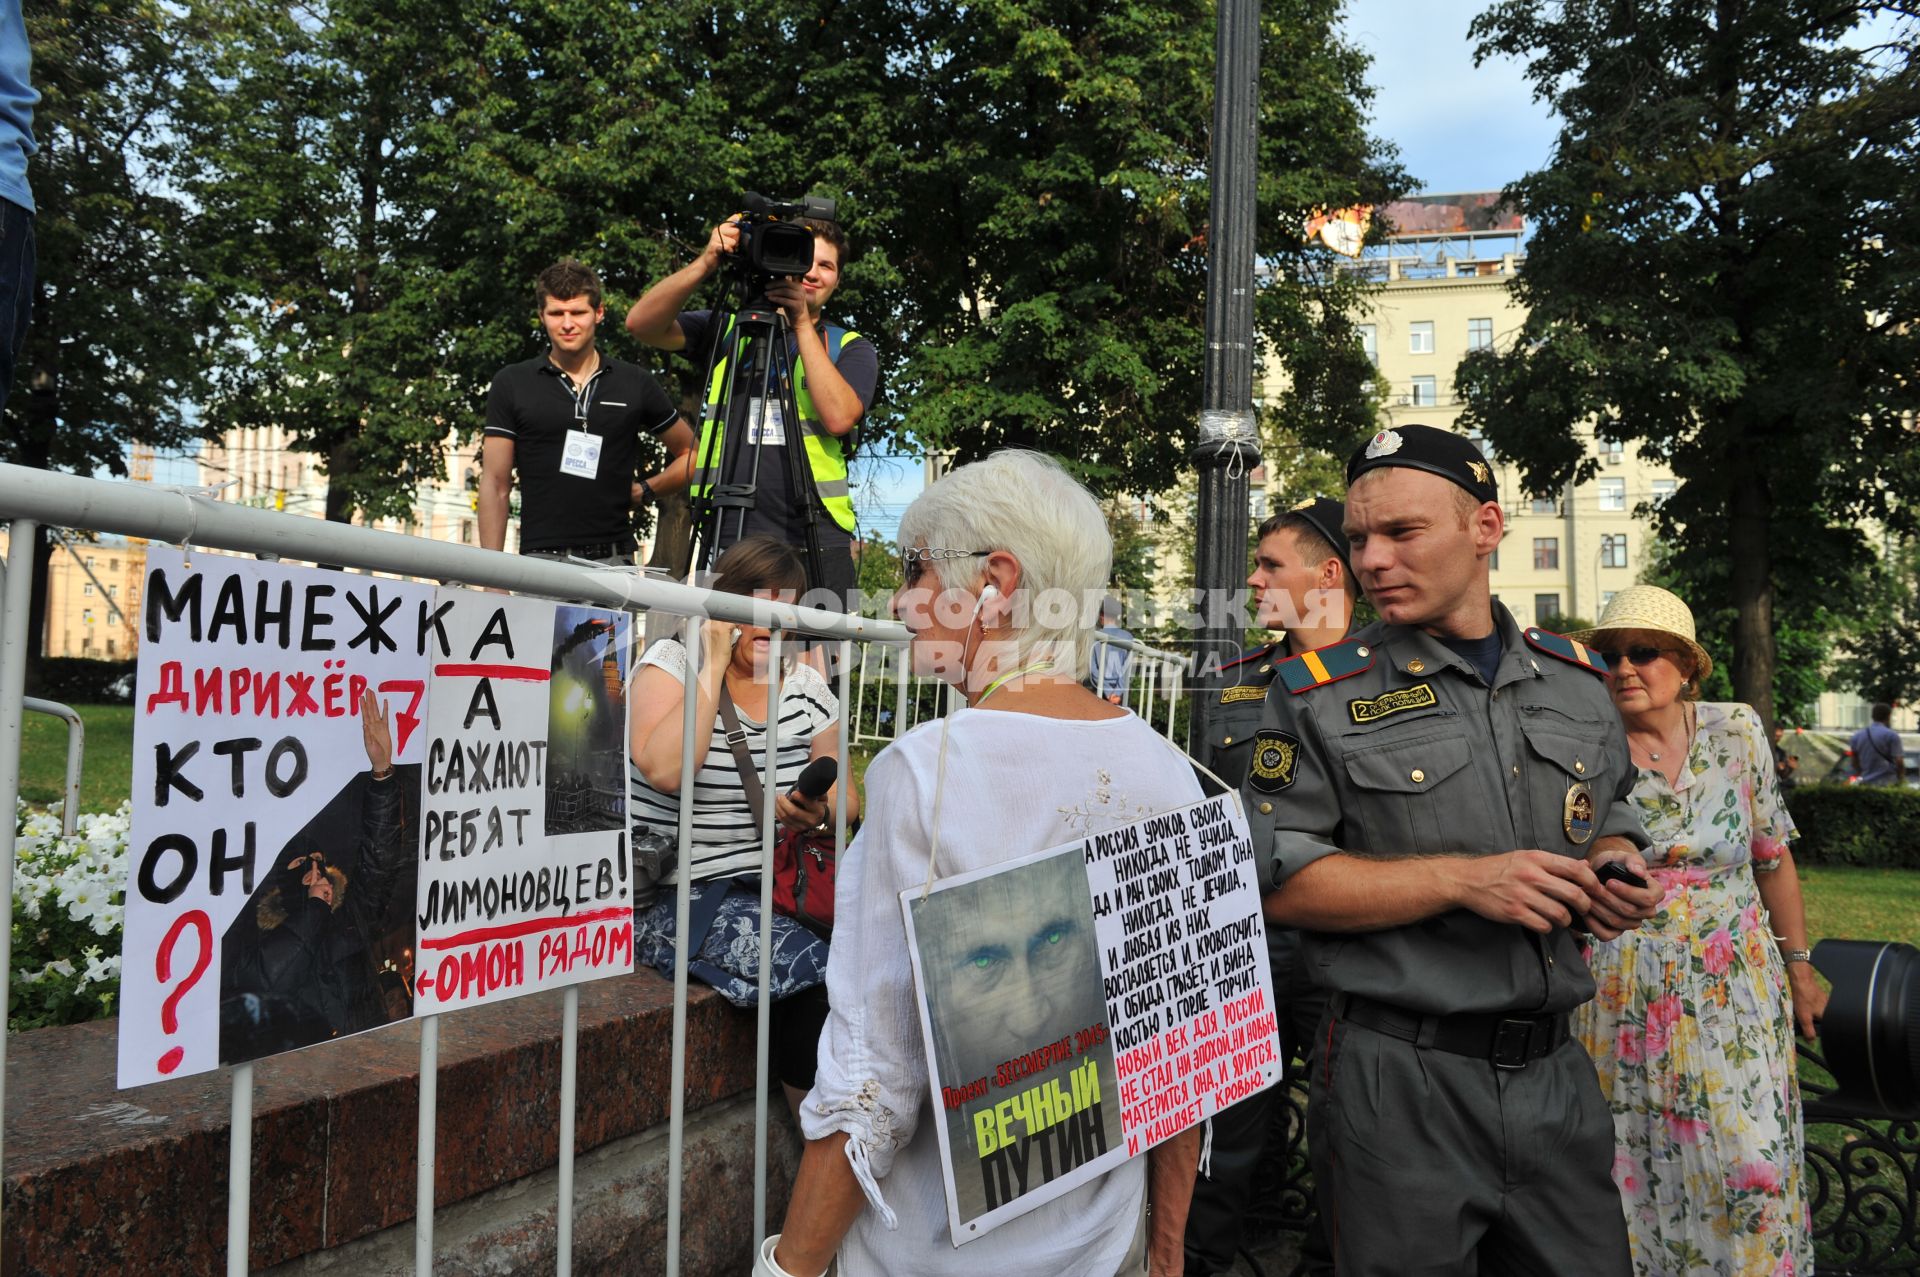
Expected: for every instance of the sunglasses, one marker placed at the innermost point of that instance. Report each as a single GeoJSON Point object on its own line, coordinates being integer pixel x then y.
{"type": "Point", "coordinates": [1639, 654]}
{"type": "Point", "coordinates": [913, 562]}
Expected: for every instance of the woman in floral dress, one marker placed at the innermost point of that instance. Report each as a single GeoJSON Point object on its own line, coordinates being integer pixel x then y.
{"type": "Point", "coordinates": [1692, 1027]}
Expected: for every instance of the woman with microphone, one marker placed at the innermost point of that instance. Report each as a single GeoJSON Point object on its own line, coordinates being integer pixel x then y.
{"type": "Point", "coordinates": [733, 682]}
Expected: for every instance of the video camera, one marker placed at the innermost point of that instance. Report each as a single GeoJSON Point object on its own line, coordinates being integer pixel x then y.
{"type": "Point", "coordinates": [771, 248]}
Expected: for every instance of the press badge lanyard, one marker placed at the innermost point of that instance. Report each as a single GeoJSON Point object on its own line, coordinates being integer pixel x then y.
{"type": "Point", "coordinates": [581, 456]}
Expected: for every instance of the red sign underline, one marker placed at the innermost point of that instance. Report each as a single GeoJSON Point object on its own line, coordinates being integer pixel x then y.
{"type": "Point", "coordinates": [523, 673]}
{"type": "Point", "coordinates": [508, 931]}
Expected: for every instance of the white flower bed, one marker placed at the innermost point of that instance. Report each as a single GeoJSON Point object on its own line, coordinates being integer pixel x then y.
{"type": "Point", "coordinates": [67, 912]}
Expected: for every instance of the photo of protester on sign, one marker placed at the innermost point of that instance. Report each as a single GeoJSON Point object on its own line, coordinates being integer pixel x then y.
{"type": "Point", "coordinates": [326, 947]}
{"type": "Point", "coordinates": [1085, 1004]}
{"type": "Point", "coordinates": [1016, 1025]}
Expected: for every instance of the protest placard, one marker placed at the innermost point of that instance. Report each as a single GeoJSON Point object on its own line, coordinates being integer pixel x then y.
{"type": "Point", "coordinates": [1083, 1004]}
{"type": "Point", "coordinates": [524, 882]}
{"type": "Point", "coordinates": [271, 881]}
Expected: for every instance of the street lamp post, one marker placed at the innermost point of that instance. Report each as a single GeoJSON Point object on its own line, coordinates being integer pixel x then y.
{"type": "Point", "coordinates": [1229, 441]}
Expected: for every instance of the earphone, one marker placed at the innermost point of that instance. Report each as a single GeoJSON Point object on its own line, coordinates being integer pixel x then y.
{"type": "Point", "coordinates": [989, 591]}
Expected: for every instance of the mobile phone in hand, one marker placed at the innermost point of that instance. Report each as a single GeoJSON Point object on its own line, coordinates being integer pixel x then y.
{"type": "Point", "coordinates": [1617, 871]}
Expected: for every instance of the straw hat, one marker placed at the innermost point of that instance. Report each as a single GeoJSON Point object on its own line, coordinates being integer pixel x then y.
{"type": "Point", "coordinates": [1648, 607]}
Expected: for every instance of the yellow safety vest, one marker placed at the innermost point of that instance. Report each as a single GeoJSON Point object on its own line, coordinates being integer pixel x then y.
{"type": "Point", "coordinates": [826, 459]}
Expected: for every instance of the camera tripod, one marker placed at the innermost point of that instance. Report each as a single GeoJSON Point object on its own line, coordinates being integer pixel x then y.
{"type": "Point", "coordinates": [754, 340]}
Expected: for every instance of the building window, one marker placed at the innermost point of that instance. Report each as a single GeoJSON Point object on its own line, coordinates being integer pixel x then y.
{"type": "Point", "coordinates": [1545, 608]}
{"type": "Point", "coordinates": [111, 648]}
{"type": "Point", "coordinates": [1613, 550]}
{"type": "Point", "coordinates": [466, 532]}
{"type": "Point", "coordinates": [89, 560]}
{"type": "Point", "coordinates": [1479, 334]}
{"type": "Point", "coordinates": [87, 589]}
{"type": "Point", "coordinates": [113, 591]}
{"type": "Point", "coordinates": [1606, 597]}
{"type": "Point", "coordinates": [1611, 450]}
{"type": "Point", "coordinates": [1543, 505]}
{"type": "Point", "coordinates": [1664, 488]}
{"type": "Point", "coordinates": [1493, 564]}
{"type": "Point", "coordinates": [86, 616]}
{"type": "Point", "coordinates": [1546, 554]}
{"type": "Point", "coordinates": [1370, 342]}
{"type": "Point", "coordinates": [113, 565]}
{"type": "Point", "coordinates": [1420, 338]}
{"type": "Point", "coordinates": [1426, 392]}
{"type": "Point", "coordinates": [1613, 494]}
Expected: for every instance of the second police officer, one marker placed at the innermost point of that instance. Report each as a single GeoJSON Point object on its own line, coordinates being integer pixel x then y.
{"type": "Point", "coordinates": [1302, 585]}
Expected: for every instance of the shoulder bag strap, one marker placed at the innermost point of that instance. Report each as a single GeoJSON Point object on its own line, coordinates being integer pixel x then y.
{"type": "Point", "coordinates": [737, 742]}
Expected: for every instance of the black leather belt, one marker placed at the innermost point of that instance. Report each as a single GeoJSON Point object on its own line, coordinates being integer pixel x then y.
{"type": "Point", "coordinates": [597, 550]}
{"type": "Point", "coordinates": [1505, 1040]}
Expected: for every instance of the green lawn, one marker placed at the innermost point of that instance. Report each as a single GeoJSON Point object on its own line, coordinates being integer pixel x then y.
{"type": "Point", "coordinates": [106, 776]}
{"type": "Point", "coordinates": [1851, 903]}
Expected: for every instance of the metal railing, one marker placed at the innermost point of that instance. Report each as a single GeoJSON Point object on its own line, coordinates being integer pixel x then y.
{"type": "Point", "coordinates": [889, 700]}
{"type": "Point", "coordinates": [76, 747]}
{"type": "Point", "coordinates": [1862, 1180]}
{"type": "Point", "coordinates": [33, 497]}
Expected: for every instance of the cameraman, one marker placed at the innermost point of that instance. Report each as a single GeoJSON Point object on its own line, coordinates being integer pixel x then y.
{"type": "Point", "coordinates": [834, 375]}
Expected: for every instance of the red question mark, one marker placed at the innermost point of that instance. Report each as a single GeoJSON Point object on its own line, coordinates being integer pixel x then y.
{"type": "Point", "coordinates": [163, 967]}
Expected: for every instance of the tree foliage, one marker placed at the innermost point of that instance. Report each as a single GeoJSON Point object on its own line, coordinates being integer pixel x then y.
{"type": "Point", "coordinates": [111, 352]}
{"type": "Point", "coordinates": [1720, 272]}
{"type": "Point", "coordinates": [374, 183]}
{"type": "Point", "coordinates": [1060, 193]}
{"type": "Point", "coordinates": [1879, 655]}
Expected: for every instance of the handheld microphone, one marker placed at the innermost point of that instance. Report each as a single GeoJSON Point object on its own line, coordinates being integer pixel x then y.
{"type": "Point", "coordinates": [817, 779]}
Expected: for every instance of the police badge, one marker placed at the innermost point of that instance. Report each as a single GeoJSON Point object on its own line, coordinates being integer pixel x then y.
{"type": "Point", "coordinates": [1577, 816]}
{"type": "Point", "coordinates": [1385, 444]}
{"type": "Point", "coordinates": [1276, 761]}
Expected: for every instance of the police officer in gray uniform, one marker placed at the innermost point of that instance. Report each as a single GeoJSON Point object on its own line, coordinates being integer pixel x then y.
{"type": "Point", "coordinates": [1437, 794]}
{"type": "Point", "coordinates": [1301, 584]}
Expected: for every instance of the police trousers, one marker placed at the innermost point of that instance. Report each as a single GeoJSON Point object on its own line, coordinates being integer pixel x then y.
{"type": "Point", "coordinates": [1431, 1164]}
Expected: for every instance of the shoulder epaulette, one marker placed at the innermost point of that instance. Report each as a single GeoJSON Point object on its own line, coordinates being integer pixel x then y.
{"type": "Point", "coordinates": [1324, 665]}
{"type": "Point", "coordinates": [1253, 654]}
{"type": "Point", "coordinates": [1566, 649]}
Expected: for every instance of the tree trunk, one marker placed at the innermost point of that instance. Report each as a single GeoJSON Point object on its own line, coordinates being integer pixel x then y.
{"type": "Point", "coordinates": [1751, 510]}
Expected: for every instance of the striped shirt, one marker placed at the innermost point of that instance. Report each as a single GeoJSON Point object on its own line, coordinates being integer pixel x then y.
{"type": "Point", "coordinates": [726, 839]}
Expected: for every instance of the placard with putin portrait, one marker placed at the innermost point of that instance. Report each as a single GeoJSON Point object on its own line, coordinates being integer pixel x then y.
{"type": "Point", "coordinates": [1088, 1002]}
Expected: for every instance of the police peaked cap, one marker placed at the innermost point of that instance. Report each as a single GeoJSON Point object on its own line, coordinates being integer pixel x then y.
{"type": "Point", "coordinates": [1453, 457]}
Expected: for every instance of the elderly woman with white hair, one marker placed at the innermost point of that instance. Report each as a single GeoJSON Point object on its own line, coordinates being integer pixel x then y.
{"type": "Point", "coordinates": [1004, 561]}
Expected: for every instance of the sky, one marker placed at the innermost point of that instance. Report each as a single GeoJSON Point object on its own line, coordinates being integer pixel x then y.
{"type": "Point", "coordinates": [1459, 128]}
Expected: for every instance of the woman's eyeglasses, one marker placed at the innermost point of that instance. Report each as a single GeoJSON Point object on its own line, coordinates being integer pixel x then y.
{"type": "Point", "coordinates": [1638, 654]}
{"type": "Point", "coordinates": [913, 562]}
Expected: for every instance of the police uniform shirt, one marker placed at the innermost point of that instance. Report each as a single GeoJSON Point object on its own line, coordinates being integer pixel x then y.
{"type": "Point", "coordinates": [1395, 746]}
{"type": "Point", "coordinates": [1236, 716]}
{"type": "Point", "coordinates": [535, 405]}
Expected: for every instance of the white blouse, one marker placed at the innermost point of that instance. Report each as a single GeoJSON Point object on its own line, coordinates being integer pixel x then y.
{"type": "Point", "coordinates": [1015, 784]}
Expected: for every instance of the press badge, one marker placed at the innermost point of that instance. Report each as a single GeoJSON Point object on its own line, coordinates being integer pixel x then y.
{"type": "Point", "coordinates": [773, 431]}
{"type": "Point", "coordinates": [581, 458]}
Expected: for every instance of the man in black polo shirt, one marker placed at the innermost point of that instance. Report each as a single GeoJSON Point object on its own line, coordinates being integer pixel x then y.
{"type": "Point", "coordinates": [571, 421]}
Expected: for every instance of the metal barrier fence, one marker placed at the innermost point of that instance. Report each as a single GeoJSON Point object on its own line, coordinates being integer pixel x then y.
{"type": "Point", "coordinates": [889, 700]}
{"type": "Point", "coordinates": [31, 498]}
{"type": "Point", "coordinates": [1863, 1180]}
